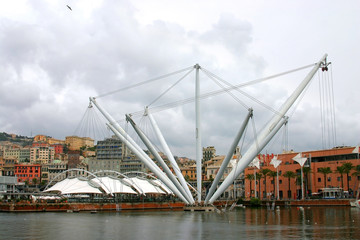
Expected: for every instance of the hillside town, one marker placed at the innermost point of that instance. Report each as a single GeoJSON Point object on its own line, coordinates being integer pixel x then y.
{"type": "Point", "coordinates": [29, 164]}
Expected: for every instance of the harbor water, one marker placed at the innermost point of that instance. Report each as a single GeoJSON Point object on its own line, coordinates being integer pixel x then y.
{"type": "Point", "coordinates": [288, 223]}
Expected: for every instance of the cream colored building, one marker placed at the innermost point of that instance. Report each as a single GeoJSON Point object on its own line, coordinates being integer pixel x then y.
{"type": "Point", "coordinates": [55, 141]}
{"type": "Point", "coordinates": [12, 153]}
{"type": "Point", "coordinates": [75, 142]}
{"type": "Point", "coordinates": [237, 188]}
{"type": "Point", "coordinates": [42, 155]}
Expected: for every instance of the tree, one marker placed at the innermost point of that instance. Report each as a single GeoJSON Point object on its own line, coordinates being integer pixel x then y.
{"type": "Point", "coordinates": [341, 171]}
{"type": "Point", "coordinates": [347, 169]}
{"type": "Point", "coordinates": [289, 175]}
{"type": "Point", "coordinates": [325, 171]}
{"type": "Point", "coordinates": [250, 177]}
{"type": "Point", "coordinates": [356, 173]}
{"type": "Point", "coordinates": [306, 171]}
{"type": "Point", "coordinates": [273, 174]}
{"type": "Point", "coordinates": [211, 178]}
{"type": "Point", "coordinates": [187, 178]}
{"type": "Point", "coordinates": [265, 172]}
{"type": "Point", "coordinates": [259, 176]}
{"type": "Point", "coordinates": [34, 181]}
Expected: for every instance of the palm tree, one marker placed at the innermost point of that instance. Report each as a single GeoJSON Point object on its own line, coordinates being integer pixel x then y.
{"type": "Point", "coordinates": [250, 177]}
{"type": "Point", "coordinates": [306, 171]}
{"type": "Point", "coordinates": [356, 173]}
{"type": "Point", "coordinates": [273, 174]}
{"type": "Point", "coordinates": [265, 172]}
{"type": "Point", "coordinates": [341, 171]}
{"type": "Point", "coordinates": [289, 175]}
{"type": "Point", "coordinates": [347, 169]}
{"type": "Point", "coordinates": [325, 171]}
{"type": "Point", "coordinates": [258, 178]}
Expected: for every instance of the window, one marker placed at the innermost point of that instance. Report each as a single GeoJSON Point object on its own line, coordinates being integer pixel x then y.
{"type": "Point", "coordinates": [280, 182]}
{"type": "Point", "coordinates": [319, 179]}
{"type": "Point", "coordinates": [338, 179]}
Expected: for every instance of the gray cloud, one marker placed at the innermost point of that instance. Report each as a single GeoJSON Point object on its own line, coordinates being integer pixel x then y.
{"type": "Point", "coordinates": [53, 59]}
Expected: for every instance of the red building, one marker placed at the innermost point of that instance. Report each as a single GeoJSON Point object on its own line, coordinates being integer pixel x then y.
{"type": "Point", "coordinates": [59, 148]}
{"type": "Point", "coordinates": [314, 179]}
{"type": "Point", "coordinates": [28, 172]}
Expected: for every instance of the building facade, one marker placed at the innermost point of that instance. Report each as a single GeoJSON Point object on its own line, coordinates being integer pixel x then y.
{"type": "Point", "coordinates": [42, 155]}
{"type": "Point", "coordinates": [109, 155]}
{"type": "Point", "coordinates": [28, 172]}
{"type": "Point", "coordinates": [75, 142]}
{"type": "Point", "coordinates": [314, 178]}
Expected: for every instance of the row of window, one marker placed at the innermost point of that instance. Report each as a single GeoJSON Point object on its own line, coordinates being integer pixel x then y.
{"type": "Point", "coordinates": [26, 175]}
{"type": "Point", "coordinates": [25, 171]}
{"type": "Point", "coordinates": [338, 179]}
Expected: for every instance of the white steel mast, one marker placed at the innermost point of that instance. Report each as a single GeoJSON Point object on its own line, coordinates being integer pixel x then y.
{"type": "Point", "coordinates": [153, 167]}
{"type": "Point", "coordinates": [198, 134]}
{"type": "Point", "coordinates": [266, 134]}
{"type": "Point", "coordinates": [169, 155]}
{"type": "Point", "coordinates": [157, 156]}
{"type": "Point", "coordinates": [130, 143]}
{"type": "Point", "coordinates": [228, 156]}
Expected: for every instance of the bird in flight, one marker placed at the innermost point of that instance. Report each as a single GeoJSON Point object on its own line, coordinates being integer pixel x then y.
{"type": "Point", "coordinates": [69, 7]}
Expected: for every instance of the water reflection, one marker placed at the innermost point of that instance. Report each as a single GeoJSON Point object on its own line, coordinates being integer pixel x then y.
{"type": "Point", "coordinates": [304, 223]}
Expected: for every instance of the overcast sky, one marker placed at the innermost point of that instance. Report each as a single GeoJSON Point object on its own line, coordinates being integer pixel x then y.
{"type": "Point", "coordinates": [52, 59]}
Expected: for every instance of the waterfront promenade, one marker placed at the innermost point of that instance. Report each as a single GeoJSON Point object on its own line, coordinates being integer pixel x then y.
{"type": "Point", "coordinates": [25, 206]}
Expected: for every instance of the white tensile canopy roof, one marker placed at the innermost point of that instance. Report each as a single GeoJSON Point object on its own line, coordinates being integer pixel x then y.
{"type": "Point", "coordinates": [109, 185]}
{"type": "Point", "coordinates": [74, 186]}
{"type": "Point", "coordinates": [113, 185]}
{"type": "Point", "coordinates": [144, 186]}
{"type": "Point", "coordinates": [162, 185]}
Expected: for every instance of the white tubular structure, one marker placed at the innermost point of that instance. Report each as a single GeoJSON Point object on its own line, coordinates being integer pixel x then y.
{"type": "Point", "coordinates": [155, 169]}
{"type": "Point", "coordinates": [169, 155]}
{"type": "Point", "coordinates": [152, 149]}
{"type": "Point", "coordinates": [130, 143]}
{"type": "Point", "coordinates": [228, 156]}
{"type": "Point", "coordinates": [266, 134]}
{"type": "Point", "coordinates": [118, 127]}
{"type": "Point", "coordinates": [198, 134]}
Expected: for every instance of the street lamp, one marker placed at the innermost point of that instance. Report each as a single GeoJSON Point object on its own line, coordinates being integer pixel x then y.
{"type": "Point", "coordinates": [300, 160]}
{"type": "Point", "coordinates": [255, 163]}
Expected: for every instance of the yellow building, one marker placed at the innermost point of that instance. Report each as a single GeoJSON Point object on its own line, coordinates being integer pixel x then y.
{"type": "Point", "coordinates": [42, 155]}
{"type": "Point", "coordinates": [40, 138]}
{"type": "Point", "coordinates": [55, 141]}
{"type": "Point", "coordinates": [75, 142]}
